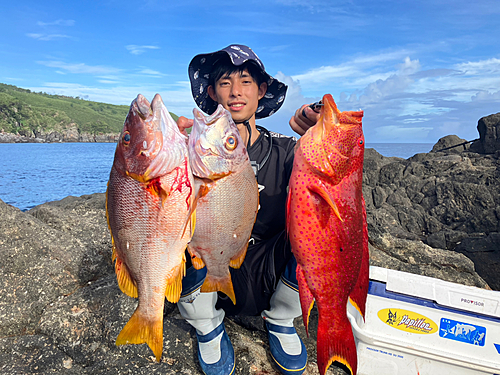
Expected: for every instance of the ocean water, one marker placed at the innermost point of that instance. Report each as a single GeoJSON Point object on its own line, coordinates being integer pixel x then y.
{"type": "Point", "coordinates": [35, 173]}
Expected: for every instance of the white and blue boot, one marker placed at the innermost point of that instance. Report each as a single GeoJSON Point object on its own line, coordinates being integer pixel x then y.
{"type": "Point", "coordinates": [215, 351]}
{"type": "Point", "coordinates": [287, 349]}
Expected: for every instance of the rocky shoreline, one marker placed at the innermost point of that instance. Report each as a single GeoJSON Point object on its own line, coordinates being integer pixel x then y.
{"type": "Point", "coordinates": [435, 214]}
{"type": "Point", "coordinates": [51, 137]}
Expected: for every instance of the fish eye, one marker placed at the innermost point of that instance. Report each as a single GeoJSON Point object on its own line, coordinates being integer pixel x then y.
{"type": "Point", "coordinates": [361, 142]}
{"type": "Point", "coordinates": [126, 138]}
{"type": "Point", "coordinates": [231, 143]}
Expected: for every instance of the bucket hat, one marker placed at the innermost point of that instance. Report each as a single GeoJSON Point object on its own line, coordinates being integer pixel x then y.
{"type": "Point", "coordinates": [199, 75]}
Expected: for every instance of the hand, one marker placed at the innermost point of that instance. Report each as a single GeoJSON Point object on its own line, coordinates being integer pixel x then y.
{"type": "Point", "coordinates": [184, 123]}
{"type": "Point", "coordinates": [304, 118]}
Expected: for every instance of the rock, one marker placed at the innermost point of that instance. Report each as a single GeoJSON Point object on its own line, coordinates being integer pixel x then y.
{"type": "Point", "coordinates": [61, 310]}
{"type": "Point", "coordinates": [483, 251]}
{"type": "Point", "coordinates": [440, 198]}
{"type": "Point", "coordinates": [489, 135]}
{"type": "Point", "coordinates": [451, 143]}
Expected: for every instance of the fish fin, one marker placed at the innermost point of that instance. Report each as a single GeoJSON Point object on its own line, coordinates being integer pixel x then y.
{"type": "Point", "coordinates": [335, 342]}
{"type": "Point", "coordinates": [190, 221]}
{"type": "Point", "coordinates": [237, 260]}
{"type": "Point", "coordinates": [196, 259]}
{"type": "Point", "coordinates": [216, 284]}
{"type": "Point", "coordinates": [359, 292]}
{"type": "Point", "coordinates": [174, 283]}
{"type": "Point", "coordinates": [306, 297]}
{"type": "Point", "coordinates": [140, 330]}
{"type": "Point", "coordinates": [193, 222]}
{"type": "Point", "coordinates": [191, 216]}
{"type": "Point", "coordinates": [125, 282]}
{"type": "Point", "coordinates": [203, 189]}
{"type": "Point", "coordinates": [113, 246]}
{"type": "Point", "coordinates": [321, 190]}
{"type": "Point", "coordinates": [287, 210]}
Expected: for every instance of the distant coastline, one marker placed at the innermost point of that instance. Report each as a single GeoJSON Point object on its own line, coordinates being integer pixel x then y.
{"type": "Point", "coordinates": [59, 137]}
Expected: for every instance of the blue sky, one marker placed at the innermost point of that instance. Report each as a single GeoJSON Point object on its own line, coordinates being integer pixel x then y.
{"type": "Point", "coordinates": [419, 69]}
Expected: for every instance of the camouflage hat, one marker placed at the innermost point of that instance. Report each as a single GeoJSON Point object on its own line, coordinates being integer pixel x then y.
{"type": "Point", "coordinates": [199, 75]}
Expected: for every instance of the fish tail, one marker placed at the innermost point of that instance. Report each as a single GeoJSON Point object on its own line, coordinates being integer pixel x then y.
{"type": "Point", "coordinates": [336, 343]}
{"type": "Point", "coordinates": [215, 284]}
{"type": "Point", "coordinates": [306, 297]}
{"type": "Point", "coordinates": [174, 283]}
{"type": "Point", "coordinates": [139, 330]}
{"type": "Point", "coordinates": [125, 282]}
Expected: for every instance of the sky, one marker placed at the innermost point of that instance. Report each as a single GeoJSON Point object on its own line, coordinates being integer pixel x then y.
{"type": "Point", "coordinates": [419, 70]}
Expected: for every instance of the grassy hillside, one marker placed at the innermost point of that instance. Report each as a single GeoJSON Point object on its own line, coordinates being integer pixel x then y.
{"type": "Point", "coordinates": [23, 112]}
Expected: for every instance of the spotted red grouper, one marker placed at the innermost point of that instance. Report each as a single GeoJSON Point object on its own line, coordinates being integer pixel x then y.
{"type": "Point", "coordinates": [326, 223]}
{"type": "Point", "coordinates": [228, 198]}
{"type": "Point", "coordinates": [148, 204]}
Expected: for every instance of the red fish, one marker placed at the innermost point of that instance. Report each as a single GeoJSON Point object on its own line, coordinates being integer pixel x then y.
{"type": "Point", "coordinates": [148, 206]}
{"type": "Point", "coordinates": [326, 223]}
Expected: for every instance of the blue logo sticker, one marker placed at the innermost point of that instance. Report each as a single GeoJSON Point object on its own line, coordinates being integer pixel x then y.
{"type": "Point", "coordinates": [497, 346]}
{"type": "Point", "coordinates": [463, 332]}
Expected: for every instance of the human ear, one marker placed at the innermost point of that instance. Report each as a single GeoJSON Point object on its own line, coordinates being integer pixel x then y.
{"type": "Point", "coordinates": [262, 90]}
{"type": "Point", "coordinates": [211, 93]}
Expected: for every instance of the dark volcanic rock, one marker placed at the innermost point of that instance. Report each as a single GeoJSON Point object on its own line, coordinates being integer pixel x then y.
{"type": "Point", "coordinates": [451, 143]}
{"type": "Point", "coordinates": [61, 310]}
{"type": "Point", "coordinates": [489, 135]}
{"type": "Point", "coordinates": [446, 199]}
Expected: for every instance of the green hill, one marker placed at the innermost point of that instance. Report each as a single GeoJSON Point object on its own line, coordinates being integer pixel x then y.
{"type": "Point", "coordinates": [25, 113]}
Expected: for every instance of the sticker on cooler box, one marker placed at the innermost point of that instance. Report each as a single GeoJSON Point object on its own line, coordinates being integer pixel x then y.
{"type": "Point", "coordinates": [463, 332]}
{"type": "Point", "coordinates": [407, 321]}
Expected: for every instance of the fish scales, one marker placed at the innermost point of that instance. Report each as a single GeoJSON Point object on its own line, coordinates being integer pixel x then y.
{"type": "Point", "coordinates": [148, 202]}
{"type": "Point", "coordinates": [227, 202]}
{"type": "Point", "coordinates": [326, 223]}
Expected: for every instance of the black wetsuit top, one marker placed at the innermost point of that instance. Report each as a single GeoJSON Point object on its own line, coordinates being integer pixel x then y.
{"type": "Point", "coordinates": [269, 250]}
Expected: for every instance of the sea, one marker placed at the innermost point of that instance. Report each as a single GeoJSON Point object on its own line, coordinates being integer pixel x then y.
{"type": "Point", "coordinates": [36, 173]}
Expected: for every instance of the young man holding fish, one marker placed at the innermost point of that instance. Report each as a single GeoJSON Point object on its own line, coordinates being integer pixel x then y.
{"type": "Point", "coordinates": [266, 283]}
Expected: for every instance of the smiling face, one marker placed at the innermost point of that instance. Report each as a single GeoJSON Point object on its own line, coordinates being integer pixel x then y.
{"type": "Point", "coordinates": [239, 93]}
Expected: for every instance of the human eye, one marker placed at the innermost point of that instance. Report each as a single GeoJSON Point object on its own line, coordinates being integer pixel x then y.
{"type": "Point", "coordinates": [247, 80]}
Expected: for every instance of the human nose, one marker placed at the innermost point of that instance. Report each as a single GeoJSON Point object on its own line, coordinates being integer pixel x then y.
{"type": "Point", "coordinates": [235, 89]}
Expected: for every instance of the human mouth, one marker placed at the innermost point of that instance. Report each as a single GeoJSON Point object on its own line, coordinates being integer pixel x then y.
{"type": "Point", "coordinates": [236, 106]}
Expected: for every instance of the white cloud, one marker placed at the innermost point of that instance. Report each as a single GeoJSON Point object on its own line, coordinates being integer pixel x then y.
{"type": "Point", "coordinates": [490, 66]}
{"type": "Point", "coordinates": [355, 73]}
{"type": "Point", "coordinates": [279, 122]}
{"type": "Point", "coordinates": [137, 50]}
{"type": "Point", "coordinates": [46, 37]}
{"type": "Point", "coordinates": [151, 72]}
{"type": "Point", "coordinates": [80, 68]}
{"type": "Point", "coordinates": [59, 22]}
{"type": "Point", "coordinates": [407, 104]}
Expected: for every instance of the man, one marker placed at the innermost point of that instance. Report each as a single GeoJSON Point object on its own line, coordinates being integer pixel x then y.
{"type": "Point", "coordinates": [265, 284]}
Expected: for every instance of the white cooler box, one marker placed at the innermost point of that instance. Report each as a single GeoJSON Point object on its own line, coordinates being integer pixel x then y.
{"type": "Point", "coordinates": [424, 326]}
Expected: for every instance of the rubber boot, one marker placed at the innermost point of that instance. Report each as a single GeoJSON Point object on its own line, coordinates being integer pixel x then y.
{"type": "Point", "coordinates": [215, 351]}
{"type": "Point", "coordinates": [287, 349]}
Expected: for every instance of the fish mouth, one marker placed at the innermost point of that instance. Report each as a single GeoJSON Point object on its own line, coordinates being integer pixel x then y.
{"type": "Point", "coordinates": [206, 157]}
{"type": "Point", "coordinates": [142, 107]}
